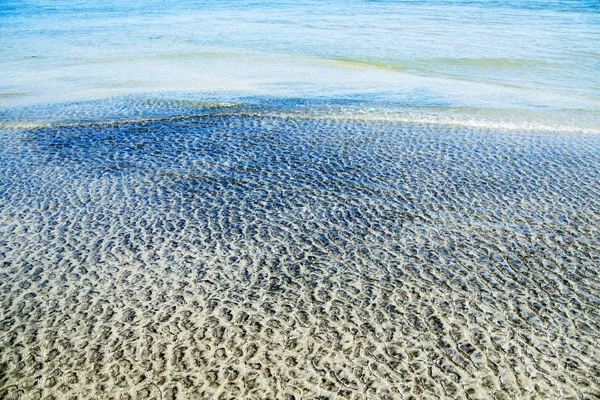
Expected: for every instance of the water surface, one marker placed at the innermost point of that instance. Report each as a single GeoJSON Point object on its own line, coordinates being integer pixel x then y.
{"type": "Point", "coordinates": [357, 199]}
{"type": "Point", "coordinates": [537, 56]}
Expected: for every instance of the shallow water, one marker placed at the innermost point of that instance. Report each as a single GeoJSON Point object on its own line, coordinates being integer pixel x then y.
{"type": "Point", "coordinates": [357, 199]}
{"type": "Point", "coordinates": [538, 56]}
{"type": "Point", "coordinates": [239, 255]}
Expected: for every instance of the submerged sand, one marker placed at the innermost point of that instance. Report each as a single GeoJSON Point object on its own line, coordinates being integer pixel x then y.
{"type": "Point", "coordinates": [235, 256]}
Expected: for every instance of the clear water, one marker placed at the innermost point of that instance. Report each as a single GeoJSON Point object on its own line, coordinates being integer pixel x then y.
{"type": "Point", "coordinates": [341, 200]}
{"type": "Point", "coordinates": [244, 255]}
{"type": "Point", "coordinates": [535, 60]}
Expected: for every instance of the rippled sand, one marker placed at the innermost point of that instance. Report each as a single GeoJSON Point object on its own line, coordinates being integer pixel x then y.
{"type": "Point", "coordinates": [240, 256]}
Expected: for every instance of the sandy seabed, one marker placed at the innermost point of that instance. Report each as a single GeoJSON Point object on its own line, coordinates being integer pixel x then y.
{"type": "Point", "coordinates": [240, 256]}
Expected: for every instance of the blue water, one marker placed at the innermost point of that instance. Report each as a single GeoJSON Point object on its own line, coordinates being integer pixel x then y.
{"type": "Point", "coordinates": [299, 200]}
{"type": "Point", "coordinates": [513, 62]}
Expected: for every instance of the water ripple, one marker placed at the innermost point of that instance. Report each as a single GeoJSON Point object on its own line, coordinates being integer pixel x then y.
{"type": "Point", "coordinates": [268, 257]}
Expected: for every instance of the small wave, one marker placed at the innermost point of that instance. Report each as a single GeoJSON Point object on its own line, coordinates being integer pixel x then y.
{"type": "Point", "coordinates": [357, 63]}
{"type": "Point", "coordinates": [12, 94]}
{"type": "Point", "coordinates": [135, 109]}
{"type": "Point", "coordinates": [427, 63]}
{"type": "Point", "coordinates": [512, 63]}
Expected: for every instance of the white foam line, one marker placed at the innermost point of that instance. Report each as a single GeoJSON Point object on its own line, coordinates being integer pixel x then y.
{"type": "Point", "coordinates": [337, 115]}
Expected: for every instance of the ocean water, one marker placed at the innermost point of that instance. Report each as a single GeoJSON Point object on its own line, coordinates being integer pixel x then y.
{"type": "Point", "coordinates": [284, 200]}
{"type": "Point", "coordinates": [534, 61]}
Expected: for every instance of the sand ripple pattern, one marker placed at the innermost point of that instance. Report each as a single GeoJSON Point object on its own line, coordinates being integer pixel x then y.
{"type": "Point", "coordinates": [256, 257]}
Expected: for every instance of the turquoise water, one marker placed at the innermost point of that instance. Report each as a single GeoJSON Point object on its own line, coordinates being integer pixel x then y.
{"type": "Point", "coordinates": [536, 62]}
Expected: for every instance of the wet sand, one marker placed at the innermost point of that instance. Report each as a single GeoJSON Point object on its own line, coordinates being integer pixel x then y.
{"type": "Point", "coordinates": [239, 256]}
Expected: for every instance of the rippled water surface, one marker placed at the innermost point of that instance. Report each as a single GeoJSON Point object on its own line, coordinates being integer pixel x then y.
{"type": "Point", "coordinates": [240, 255]}
{"type": "Point", "coordinates": [299, 200]}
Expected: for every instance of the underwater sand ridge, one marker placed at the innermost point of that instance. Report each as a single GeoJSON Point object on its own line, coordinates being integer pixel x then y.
{"type": "Point", "coordinates": [240, 256]}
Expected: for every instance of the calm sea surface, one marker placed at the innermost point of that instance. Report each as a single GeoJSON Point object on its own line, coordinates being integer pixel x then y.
{"type": "Point", "coordinates": [528, 61]}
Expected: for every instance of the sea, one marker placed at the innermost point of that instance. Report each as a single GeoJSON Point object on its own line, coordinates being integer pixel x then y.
{"type": "Point", "coordinates": [264, 199]}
